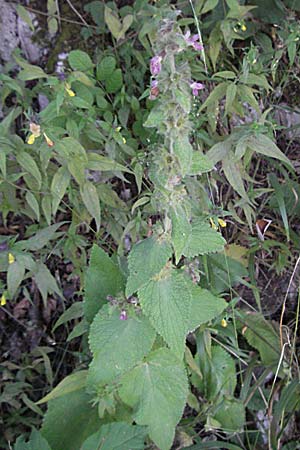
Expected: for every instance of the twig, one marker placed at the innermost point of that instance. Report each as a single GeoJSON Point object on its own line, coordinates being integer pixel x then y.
{"type": "Point", "coordinates": [77, 12]}
{"type": "Point", "coordinates": [75, 22]}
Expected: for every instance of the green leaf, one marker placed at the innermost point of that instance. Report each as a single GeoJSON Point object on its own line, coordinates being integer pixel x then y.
{"type": "Point", "coordinates": [102, 163]}
{"type": "Point", "coordinates": [146, 260]}
{"type": "Point", "coordinates": [181, 230]}
{"type": "Point", "coordinates": [264, 145]}
{"type": "Point", "coordinates": [46, 207]}
{"type": "Point", "coordinates": [117, 345]}
{"type": "Point", "coordinates": [200, 164]}
{"type": "Point", "coordinates": [232, 171]}
{"type": "Point", "coordinates": [157, 390]}
{"type": "Point", "coordinates": [204, 307]}
{"type": "Point", "coordinates": [216, 95]}
{"type": "Point", "coordinates": [27, 162]}
{"type": "Point", "coordinates": [91, 201]}
{"type": "Point", "coordinates": [219, 151]}
{"type": "Point", "coordinates": [113, 22]}
{"type": "Point", "coordinates": [25, 16]}
{"type": "Point", "coordinates": [166, 301]}
{"type": "Point", "coordinates": [36, 442]}
{"type": "Point", "coordinates": [184, 152]}
{"type": "Point", "coordinates": [74, 312]}
{"type": "Point", "coordinates": [31, 73]}
{"type": "Point", "coordinates": [231, 415]}
{"type": "Point", "coordinates": [69, 420]}
{"type": "Point", "coordinates": [60, 182]}
{"type": "Point", "coordinates": [106, 68]}
{"type": "Point", "coordinates": [46, 283]}
{"type": "Point", "coordinates": [33, 203]}
{"type": "Point", "coordinates": [117, 436]}
{"type": "Point", "coordinates": [15, 275]}
{"type": "Point", "coordinates": [102, 278]}
{"type": "Point", "coordinates": [77, 169]}
{"type": "Point", "coordinates": [261, 335]}
{"type": "Point", "coordinates": [114, 83]}
{"type": "Point", "coordinates": [80, 60]}
{"type": "Point", "coordinates": [209, 6]}
{"type": "Point", "coordinates": [74, 382]}
{"type": "Point", "coordinates": [41, 238]}
{"type": "Point", "coordinates": [230, 96]}
{"type": "Point", "coordinates": [203, 240]}
{"type": "Point", "coordinates": [155, 118]}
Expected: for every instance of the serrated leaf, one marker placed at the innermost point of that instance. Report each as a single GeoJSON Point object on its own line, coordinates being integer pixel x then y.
{"type": "Point", "coordinates": [33, 203]}
{"type": "Point", "coordinates": [114, 83]}
{"type": "Point", "coordinates": [74, 382]}
{"type": "Point", "coordinates": [117, 436]}
{"type": "Point", "coordinates": [155, 118]}
{"type": "Point", "coordinates": [106, 68]}
{"type": "Point", "coordinates": [184, 152]}
{"type": "Point", "coordinates": [157, 389]}
{"type": "Point", "coordinates": [204, 307]}
{"type": "Point", "coordinates": [91, 201]}
{"type": "Point", "coordinates": [69, 420]}
{"type": "Point", "coordinates": [117, 345]}
{"type": "Point", "coordinates": [15, 275]}
{"type": "Point", "coordinates": [181, 230]}
{"type": "Point", "coordinates": [203, 240]}
{"type": "Point", "coordinates": [264, 145]}
{"type": "Point", "coordinates": [166, 301]}
{"type": "Point", "coordinates": [102, 278]}
{"type": "Point", "coordinates": [80, 60]}
{"type": "Point", "coordinates": [27, 162]}
{"type": "Point", "coordinates": [200, 164]}
{"type": "Point", "coordinates": [231, 415]}
{"type": "Point", "coordinates": [146, 260]}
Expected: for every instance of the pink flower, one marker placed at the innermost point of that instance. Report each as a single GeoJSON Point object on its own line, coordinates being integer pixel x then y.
{"type": "Point", "coordinates": [196, 87]}
{"type": "Point", "coordinates": [154, 91]}
{"type": "Point", "coordinates": [193, 40]}
{"type": "Point", "coordinates": [155, 65]}
{"type": "Point", "coordinates": [123, 315]}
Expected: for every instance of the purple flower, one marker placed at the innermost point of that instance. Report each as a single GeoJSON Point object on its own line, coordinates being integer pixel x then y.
{"type": "Point", "coordinates": [155, 65]}
{"type": "Point", "coordinates": [196, 87]}
{"type": "Point", "coordinates": [193, 40]}
{"type": "Point", "coordinates": [123, 315]}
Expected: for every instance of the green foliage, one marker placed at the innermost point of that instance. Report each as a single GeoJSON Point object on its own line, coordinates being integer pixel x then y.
{"type": "Point", "coordinates": [120, 189]}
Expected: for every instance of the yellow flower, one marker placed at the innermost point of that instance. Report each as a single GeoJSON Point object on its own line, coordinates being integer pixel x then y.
{"type": "Point", "coordinates": [243, 27]}
{"type": "Point", "coordinates": [31, 139]}
{"type": "Point", "coordinates": [224, 323]}
{"type": "Point", "coordinates": [213, 225]}
{"type": "Point", "coordinates": [3, 300]}
{"type": "Point", "coordinates": [222, 223]}
{"type": "Point", "coordinates": [69, 90]}
{"type": "Point", "coordinates": [124, 140]}
{"type": "Point", "coordinates": [11, 258]}
{"type": "Point", "coordinates": [48, 140]}
{"type": "Point", "coordinates": [118, 129]}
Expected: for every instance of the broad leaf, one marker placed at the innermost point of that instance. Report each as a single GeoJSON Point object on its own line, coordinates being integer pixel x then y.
{"type": "Point", "coordinates": [15, 275]}
{"type": "Point", "coordinates": [184, 152]}
{"type": "Point", "coordinates": [106, 67]}
{"type": "Point", "coordinates": [27, 162]}
{"type": "Point", "coordinates": [166, 301]}
{"type": "Point", "coordinates": [204, 307]}
{"type": "Point", "coordinates": [231, 415]}
{"type": "Point", "coordinates": [36, 442]}
{"type": "Point", "coordinates": [181, 230]}
{"type": "Point", "coordinates": [203, 240]}
{"type": "Point", "coordinates": [117, 436]}
{"type": "Point", "coordinates": [117, 345]}
{"type": "Point", "coordinates": [60, 182]}
{"type": "Point", "coordinates": [69, 420]}
{"type": "Point", "coordinates": [145, 260]}
{"type": "Point", "coordinates": [200, 164]}
{"type": "Point", "coordinates": [157, 390]}
{"type": "Point", "coordinates": [80, 60]}
{"type": "Point", "coordinates": [102, 278]}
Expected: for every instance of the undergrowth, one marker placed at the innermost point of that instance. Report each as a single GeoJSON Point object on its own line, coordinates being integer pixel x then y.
{"type": "Point", "coordinates": [149, 247]}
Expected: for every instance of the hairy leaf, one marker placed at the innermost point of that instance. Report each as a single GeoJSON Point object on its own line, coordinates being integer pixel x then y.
{"type": "Point", "coordinates": [117, 345]}
{"type": "Point", "coordinates": [145, 260]}
{"type": "Point", "coordinates": [157, 390]}
{"type": "Point", "coordinates": [117, 436]}
{"type": "Point", "coordinates": [203, 240]}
